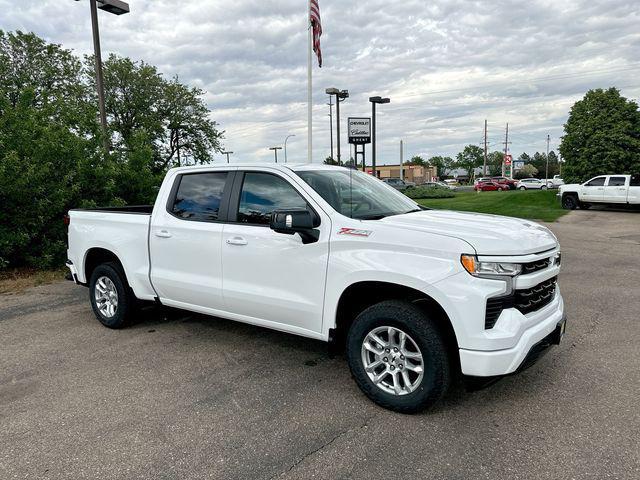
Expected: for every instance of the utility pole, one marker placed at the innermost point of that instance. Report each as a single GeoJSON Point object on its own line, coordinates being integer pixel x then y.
{"type": "Point", "coordinates": [506, 152]}
{"type": "Point", "coordinates": [546, 172]}
{"type": "Point", "coordinates": [484, 168]}
{"type": "Point", "coordinates": [227, 154]}
{"type": "Point", "coordinates": [331, 122]}
{"type": "Point", "coordinates": [178, 145]}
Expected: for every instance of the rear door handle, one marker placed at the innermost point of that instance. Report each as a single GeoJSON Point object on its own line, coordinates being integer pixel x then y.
{"type": "Point", "coordinates": [163, 234]}
{"type": "Point", "coordinates": [237, 241]}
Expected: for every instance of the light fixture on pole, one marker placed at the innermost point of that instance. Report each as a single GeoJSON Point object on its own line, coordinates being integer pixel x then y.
{"type": "Point", "coordinates": [341, 96]}
{"type": "Point", "coordinates": [374, 101]}
{"type": "Point", "coordinates": [285, 146]}
{"type": "Point", "coordinates": [116, 7]}
{"type": "Point", "coordinates": [227, 154]}
{"type": "Point", "coordinates": [275, 152]}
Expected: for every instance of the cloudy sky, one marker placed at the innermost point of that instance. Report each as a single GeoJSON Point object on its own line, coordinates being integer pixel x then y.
{"type": "Point", "coordinates": [446, 64]}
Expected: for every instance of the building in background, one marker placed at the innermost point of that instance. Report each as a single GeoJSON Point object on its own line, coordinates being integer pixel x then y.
{"type": "Point", "coordinates": [412, 173]}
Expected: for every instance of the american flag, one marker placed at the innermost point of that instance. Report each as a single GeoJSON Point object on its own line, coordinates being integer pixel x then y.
{"type": "Point", "coordinates": [317, 29]}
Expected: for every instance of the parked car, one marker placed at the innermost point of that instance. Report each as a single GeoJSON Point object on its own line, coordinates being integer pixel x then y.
{"type": "Point", "coordinates": [555, 182]}
{"type": "Point", "coordinates": [531, 184]}
{"type": "Point", "coordinates": [398, 184]}
{"type": "Point", "coordinates": [439, 185]}
{"type": "Point", "coordinates": [489, 186]}
{"type": "Point", "coordinates": [452, 182]}
{"type": "Point", "coordinates": [415, 296]}
{"type": "Point", "coordinates": [605, 189]}
{"type": "Point", "coordinates": [509, 182]}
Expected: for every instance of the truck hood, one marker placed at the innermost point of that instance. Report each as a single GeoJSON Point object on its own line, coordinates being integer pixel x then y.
{"type": "Point", "coordinates": [488, 234]}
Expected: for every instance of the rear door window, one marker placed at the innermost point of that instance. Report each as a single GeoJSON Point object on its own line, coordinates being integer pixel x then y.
{"type": "Point", "coordinates": [617, 181]}
{"type": "Point", "coordinates": [199, 196]}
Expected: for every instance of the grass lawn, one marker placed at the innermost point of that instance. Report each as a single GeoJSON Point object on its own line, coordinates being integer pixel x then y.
{"type": "Point", "coordinates": [16, 281]}
{"type": "Point", "coordinates": [532, 204]}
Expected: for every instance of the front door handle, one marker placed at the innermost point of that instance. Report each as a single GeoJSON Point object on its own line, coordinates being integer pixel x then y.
{"type": "Point", "coordinates": [237, 241]}
{"type": "Point", "coordinates": [163, 233]}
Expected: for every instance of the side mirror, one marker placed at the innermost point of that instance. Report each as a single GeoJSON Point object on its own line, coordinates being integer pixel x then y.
{"type": "Point", "coordinates": [302, 222]}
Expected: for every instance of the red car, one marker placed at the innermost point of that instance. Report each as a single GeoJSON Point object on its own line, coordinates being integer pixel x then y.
{"type": "Point", "coordinates": [505, 181]}
{"type": "Point", "coordinates": [486, 186]}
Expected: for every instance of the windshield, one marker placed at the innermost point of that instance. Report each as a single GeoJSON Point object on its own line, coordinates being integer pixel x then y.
{"type": "Point", "coordinates": [356, 194]}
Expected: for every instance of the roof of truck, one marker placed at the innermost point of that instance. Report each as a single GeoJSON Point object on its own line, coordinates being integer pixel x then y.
{"type": "Point", "coordinates": [274, 166]}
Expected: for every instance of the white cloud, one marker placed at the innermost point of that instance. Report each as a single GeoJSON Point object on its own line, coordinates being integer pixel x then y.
{"type": "Point", "coordinates": [446, 64]}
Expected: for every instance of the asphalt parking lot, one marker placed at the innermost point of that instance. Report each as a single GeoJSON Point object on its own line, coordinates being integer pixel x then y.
{"type": "Point", "coordinates": [183, 396]}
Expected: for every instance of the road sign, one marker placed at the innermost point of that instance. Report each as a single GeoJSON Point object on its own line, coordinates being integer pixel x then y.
{"type": "Point", "coordinates": [517, 165]}
{"type": "Point", "coordinates": [359, 130]}
{"type": "Point", "coordinates": [507, 160]}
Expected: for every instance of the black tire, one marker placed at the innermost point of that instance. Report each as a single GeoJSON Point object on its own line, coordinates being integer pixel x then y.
{"type": "Point", "coordinates": [424, 332]}
{"type": "Point", "coordinates": [126, 300]}
{"type": "Point", "coordinates": [543, 187]}
{"type": "Point", "coordinates": [569, 202]}
{"type": "Point", "coordinates": [523, 188]}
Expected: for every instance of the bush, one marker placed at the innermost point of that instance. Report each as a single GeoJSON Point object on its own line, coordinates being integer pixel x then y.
{"type": "Point", "coordinates": [428, 192]}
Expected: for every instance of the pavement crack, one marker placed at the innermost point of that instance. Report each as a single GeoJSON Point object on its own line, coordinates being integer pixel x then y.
{"type": "Point", "coordinates": [322, 447]}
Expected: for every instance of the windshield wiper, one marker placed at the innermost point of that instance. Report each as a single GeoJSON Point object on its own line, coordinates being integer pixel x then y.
{"type": "Point", "coordinates": [378, 216]}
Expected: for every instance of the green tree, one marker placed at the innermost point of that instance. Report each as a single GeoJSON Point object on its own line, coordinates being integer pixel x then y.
{"type": "Point", "coordinates": [330, 161]}
{"type": "Point", "coordinates": [527, 171]}
{"type": "Point", "coordinates": [417, 160]}
{"type": "Point", "coordinates": [470, 158]}
{"type": "Point", "coordinates": [602, 136]}
{"type": "Point", "coordinates": [172, 116]}
{"type": "Point", "coordinates": [51, 153]}
{"type": "Point", "coordinates": [494, 163]}
{"type": "Point", "coordinates": [444, 165]}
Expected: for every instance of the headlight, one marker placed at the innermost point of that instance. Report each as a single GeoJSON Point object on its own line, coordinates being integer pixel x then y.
{"type": "Point", "coordinates": [489, 269]}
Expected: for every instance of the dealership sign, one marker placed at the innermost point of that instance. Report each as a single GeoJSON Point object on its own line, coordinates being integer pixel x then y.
{"type": "Point", "coordinates": [359, 130]}
{"type": "Point", "coordinates": [518, 165]}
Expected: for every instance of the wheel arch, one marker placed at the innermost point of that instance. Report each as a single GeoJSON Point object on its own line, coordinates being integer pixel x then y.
{"type": "Point", "coordinates": [362, 294]}
{"type": "Point", "coordinates": [97, 256]}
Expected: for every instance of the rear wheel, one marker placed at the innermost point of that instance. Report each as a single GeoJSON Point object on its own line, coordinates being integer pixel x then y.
{"type": "Point", "coordinates": [398, 357]}
{"type": "Point", "coordinates": [543, 187]}
{"type": "Point", "coordinates": [569, 202]}
{"type": "Point", "coordinates": [111, 297]}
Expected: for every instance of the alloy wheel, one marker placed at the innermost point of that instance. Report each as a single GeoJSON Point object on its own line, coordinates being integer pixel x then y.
{"type": "Point", "coordinates": [106, 296]}
{"type": "Point", "coordinates": [392, 360]}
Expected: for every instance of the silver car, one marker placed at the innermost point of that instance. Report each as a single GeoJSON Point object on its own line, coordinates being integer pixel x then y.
{"type": "Point", "coordinates": [531, 184]}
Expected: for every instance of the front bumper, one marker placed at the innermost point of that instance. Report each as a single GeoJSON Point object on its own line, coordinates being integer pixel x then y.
{"type": "Point", "coordinates": [532, 342]}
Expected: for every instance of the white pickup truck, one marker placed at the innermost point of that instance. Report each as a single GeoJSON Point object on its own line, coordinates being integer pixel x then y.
{"type": "Point", "coordinates": [604, 189]}
{"type": "Point", "coordinates": [415, 296]}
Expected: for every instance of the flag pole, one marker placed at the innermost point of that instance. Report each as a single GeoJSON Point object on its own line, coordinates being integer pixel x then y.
{"type": "Point", "coordinates": [309, 80]}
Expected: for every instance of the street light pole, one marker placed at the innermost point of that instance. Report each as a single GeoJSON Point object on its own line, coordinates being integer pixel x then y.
{"type": "Point", "coordinates": [285, 146]}
{"type": "Point", "coordinates": [331, 123]}
{"type": "Point", "coordinates": [275, 152]}
{"type": "Point", "coordinates": [227, 154]}
{"type": "Point", "coordinates": [116, 7]}
{"type": "Point", "coordinates": [341, 96]}
{"type": "Point", "coordinates": [373, 101]}
{"type": "Point", "coordinates": [99, 79]}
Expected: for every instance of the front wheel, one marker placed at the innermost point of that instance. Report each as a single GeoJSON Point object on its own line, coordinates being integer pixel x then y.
{"type": "Point", "coordinates": [543, 187]}
{"type": "Point", "coordinates": [398, 357]}
{"type": "Point", "coordinates": [523, 188]}
{"type": "Point", "coordinates": [569, 202]}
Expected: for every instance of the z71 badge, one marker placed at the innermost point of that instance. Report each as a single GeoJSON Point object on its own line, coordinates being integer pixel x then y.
{"type": "Point", "coordinates": [354, 231]}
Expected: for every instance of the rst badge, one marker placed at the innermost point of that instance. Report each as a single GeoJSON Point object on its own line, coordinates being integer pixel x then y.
{"type": "Point", "coordinates": [354, 231]}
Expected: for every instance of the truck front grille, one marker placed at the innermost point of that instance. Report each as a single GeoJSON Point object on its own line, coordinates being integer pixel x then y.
{"type": "Point", "coordinates": [535, 266]}
{"type": "Point", "coordinates": [526, 301]}
{"type": "Point", "coordinates": [535, 298]}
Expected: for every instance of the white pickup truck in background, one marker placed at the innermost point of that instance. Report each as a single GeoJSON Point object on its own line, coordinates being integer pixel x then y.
{"type": "Point", "coordinates": [604, 189]}
{"type": "Point", "coordinates": [415, 296]}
